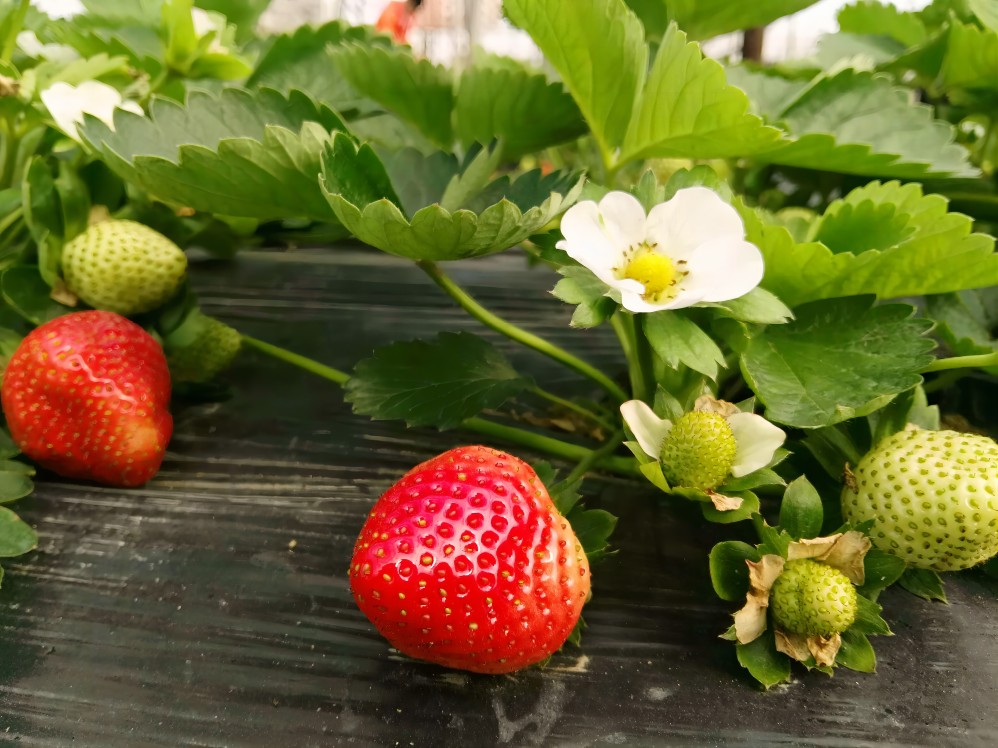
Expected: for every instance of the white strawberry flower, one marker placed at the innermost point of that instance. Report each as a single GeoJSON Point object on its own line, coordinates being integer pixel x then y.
{"type": "Point", "coordinates": [210, 23]}
{"type": "Point", "coordinates": [29, 43]}
{"type": "Point", "coordinates": [705, 446]}
{"type": "Point", "coordinates": [686, 251]}
{"type": "Point", "coordinates": [68, 104]}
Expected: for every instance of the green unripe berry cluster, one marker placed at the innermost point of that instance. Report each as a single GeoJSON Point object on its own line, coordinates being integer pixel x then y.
{"type": "Point", "coordinates": [699, 451]}
{"type": "Point", "coordinates": [813, 599]}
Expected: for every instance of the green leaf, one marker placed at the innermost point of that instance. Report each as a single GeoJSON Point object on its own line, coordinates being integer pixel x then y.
{"type": "Point", "coordinates": [243, 13]}
{"type": "Point", "coordinates": [440, 382]}
{"type": "Point", "coordinates": [923, 583]}
{"type": "Point", "coordinates": [965, 322]}
{"type": "Point", "coordinates": [417, 91]}
{"type": "Point", "coordinates": [801, 513]}
{"type": "Point", "coordinates": [676, 340]}
{"type": "Point", "coordinates": [579, 286]}
{"type": "Point", "coordinates": [971, 61]}
{"type": "Point", "coordinates": [593, 528]}
{"type": "Point", "coordinates": [883, 19]}
{"type": "Point", "coordinates": [503, 215]}
{"type": "Point", "coordinates": [878, 353]}
{"type": "Point", "coordinates": [703, 19]}
{"type": "Point", "coordinates": [856, 653]}
{"type": "Point", "coordinates": [236, 153]}
{"type": "Point", "coordinates": [935, 251]}
{"type": "Point", "coordinates": [750, 506]}
{"type": "Point", "coordinates": [15, 484]}
{"type": "Point", "coordinates": [8, 448]}
{"type": "Point", "coordinates": [499, 102]}
{"type": "Point", "coordinates": [868, 619]}
{"type": "Point", "coordinates": [758, 306]}
{"type": "Point", "coordinates": [762, 478]}
{"type": "Point", "coordinates": [23, 288]}
{"type": "Point", "coordinates": [181, 38]}
{"type": "Point", "coordinates": [43, 215]}
{"type": "Point", "coordinates": [986, 12]}
{"type": "Point", "coordinates": [74, 201]}
{"type": "Point", "coordinates": [857, 122]}
{"type": "Point", "coordinates": [728, 570]}
{"type": "Point", "coordinates": [598, 49]}
{"type": "Point", "coordinates": [688, 110]}
{"type": "Point", "coordinates": [467, 185]}
{"type": "Point", "coordinates": [302, 60]}
{"type": "Point", "coordinates": [763, 662]}
{"type": "Point", "coordinates": [16, 536]}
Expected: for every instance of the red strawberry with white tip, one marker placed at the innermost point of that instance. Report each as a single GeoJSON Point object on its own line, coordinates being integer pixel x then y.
{"type": "Point", "coordinates": [87, 396]}
{"type": "Point", "coordinates": [467, 563]}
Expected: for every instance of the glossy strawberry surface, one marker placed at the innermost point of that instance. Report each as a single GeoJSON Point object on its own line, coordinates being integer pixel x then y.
{"type": "Point", "coordinates": [467, 563]}
{"type": "Point", "coordinates": [87, 396]}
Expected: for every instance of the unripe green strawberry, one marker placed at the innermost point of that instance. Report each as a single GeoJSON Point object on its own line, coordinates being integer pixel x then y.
{"type": "Point", "coordinates": [201, 349]}
{"type": "Point", "coordinates": [699, 451]}
{"type": "Point", "coordinates": [123, 267]}
{"type": "Point", "coordinates": [813, 599]}
{"type": "Point", "coordinates": [932, 496]}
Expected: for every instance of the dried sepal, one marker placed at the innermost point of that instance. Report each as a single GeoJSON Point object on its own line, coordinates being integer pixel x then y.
{"type": "Point", "coordinates": [750, 621]}
{"type": "Point", "coordinates": [725, 503]}
{"type": "Point", "coordinates": [843, 551]}
{"type": "Point", "coordinates": [710, 404]}
{"type": "Point", "coordinates": [803, 648]}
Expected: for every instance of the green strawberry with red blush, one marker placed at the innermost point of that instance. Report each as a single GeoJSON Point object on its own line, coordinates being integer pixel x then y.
{"type": "Point", "coordinates": [87, 396]}
{"type": "Point", "coordinates": [467, 563]}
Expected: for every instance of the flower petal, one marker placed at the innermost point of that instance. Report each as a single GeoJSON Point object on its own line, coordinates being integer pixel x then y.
{"type": "Point", "coordinates": [586, 243]}
{"type": "Point", "coordinates": [724, 269]}
{"type": "Point", "coordinates": [623, 219]}
{"type": "Point", "coordinates": [757, 441]}
{"type": "Point", "coordinates": [693, 217]}
{"type": "Point", "coordinates": [648, 428]}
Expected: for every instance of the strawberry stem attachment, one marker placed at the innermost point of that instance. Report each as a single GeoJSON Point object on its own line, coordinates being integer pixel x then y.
{"type": "Point", "coordinates": [529, 439]}
{"type": "Point", "coordinates": [962, 362]}
{"type": "Point", "coordinates": [511, 331]}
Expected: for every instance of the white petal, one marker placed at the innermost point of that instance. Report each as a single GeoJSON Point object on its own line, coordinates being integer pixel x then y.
{"type": "Point", "coordinates": [694, 216]}
{"type": "Point", "coordinates": [132, 106]}
{"type": "Point", "coordinates": [67, 104]}
{"type": "Point", "coordinates": [724, 269]}
{"type": "Point", "coordinates": [623, 219]}
{"type": "Point", "coordinates": [757, 441]}
{"type": "Point", "coordinates": [27, 42]}
{"type": "Point", "coordinates": [205, 22]}
{"type": "Point", "coordinates": [683, 299]}
{"type": "Point", "coordinates": [648, 428]}
{"type": "Point", "coordinates": [586, 243]}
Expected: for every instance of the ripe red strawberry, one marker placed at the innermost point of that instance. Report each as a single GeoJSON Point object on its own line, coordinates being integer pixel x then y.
{"type": "Point", "coordinates": [467, 563]}
{"type": "Point", "coordinates": [87, 396]}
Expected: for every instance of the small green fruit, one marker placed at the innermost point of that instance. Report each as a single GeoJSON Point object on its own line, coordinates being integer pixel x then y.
{"type": "Point", "coordinates": [813, 599]}
{"type": "Point", "coordinates": [932, 497]}
{"type": "Point", "coordinates": [201, 349]}
{"type": "Point", "coordinates": [699, 451]}
{"type": "Point", "coordinates": [123, 267]}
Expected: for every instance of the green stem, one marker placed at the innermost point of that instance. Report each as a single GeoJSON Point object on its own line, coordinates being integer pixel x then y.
{"type": "Point", "coordinates": [554, 447]}
{"type": "Point", "coordinates": [16, 25]}
{"type": "Point", "coordinates": [595, 457]}
{"type": "Point", "coordinates": [321, 370]}
{"type": "Point", "coordinates": [637, 352]}
{"type": "Point", "coordinates": [539, 442]}
{"type": "Point", "coordinates": [962, 362]}
{"type": "Point", "coordinates": [574, 407]}
{"type": "Point", "coordinates": [511, 331]}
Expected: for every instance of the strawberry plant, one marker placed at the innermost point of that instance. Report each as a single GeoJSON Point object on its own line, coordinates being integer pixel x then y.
{"type": "Point", "coordinates": [797, 262]}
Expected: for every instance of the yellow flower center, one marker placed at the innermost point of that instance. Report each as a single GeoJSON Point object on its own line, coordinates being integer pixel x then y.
{"type": "Point", "coordinates": [657, 273]}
